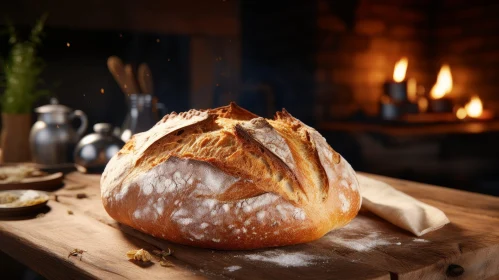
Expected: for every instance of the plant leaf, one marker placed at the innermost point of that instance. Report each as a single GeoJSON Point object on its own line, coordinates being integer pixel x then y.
{"type": "Point", "coordinates": [22, 72]}
{"type": "Point", "coordinates": [12, 31]}
{"type": "Point", "coordinates": [37, 30]}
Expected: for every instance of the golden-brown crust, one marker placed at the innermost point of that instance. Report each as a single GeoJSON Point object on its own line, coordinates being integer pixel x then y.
{"type": "Point", "coordinates": [226, 179]}
{"type": "Point", "coordinates": [232, 111]}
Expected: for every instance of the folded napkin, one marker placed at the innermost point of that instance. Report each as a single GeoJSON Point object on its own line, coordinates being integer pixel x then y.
{"type": "Point", "coordinates": [398, 208]}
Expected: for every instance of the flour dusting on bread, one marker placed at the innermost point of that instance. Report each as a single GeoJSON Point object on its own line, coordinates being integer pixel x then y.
{"type": "Point", "coordinates": [227, 179]}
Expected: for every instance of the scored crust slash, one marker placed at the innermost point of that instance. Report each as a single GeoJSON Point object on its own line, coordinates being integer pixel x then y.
{"type": "Point", "coordinates": [228, 179]}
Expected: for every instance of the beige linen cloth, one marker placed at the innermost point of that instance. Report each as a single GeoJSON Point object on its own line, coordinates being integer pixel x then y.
{"type": "Point", "coordinates": [398, 208]}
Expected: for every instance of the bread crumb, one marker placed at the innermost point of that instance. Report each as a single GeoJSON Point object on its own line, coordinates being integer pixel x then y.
{"type": "Point", "coordinates": [139, 255]}
{"type": "Point", "coordinates": [81, 195]}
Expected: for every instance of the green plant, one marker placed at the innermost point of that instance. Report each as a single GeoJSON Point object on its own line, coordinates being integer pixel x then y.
{"type": "Point", "coordinates": [22, 70]}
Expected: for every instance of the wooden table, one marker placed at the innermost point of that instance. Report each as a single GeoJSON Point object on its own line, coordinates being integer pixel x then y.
{"type": "Point", "coordinates": [368, 248]}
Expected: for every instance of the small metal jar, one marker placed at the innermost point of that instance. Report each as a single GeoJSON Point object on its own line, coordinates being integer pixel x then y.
{"type": "Point", "coordinates": [95, 150]}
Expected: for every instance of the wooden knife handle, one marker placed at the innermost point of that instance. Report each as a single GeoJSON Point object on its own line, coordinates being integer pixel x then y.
{"type": "Point", "coordinates": [117, 69]}
{"type": "Point", "coordinates": [145, 79]}
{"type": "Point", "coordinates": [130, 77]}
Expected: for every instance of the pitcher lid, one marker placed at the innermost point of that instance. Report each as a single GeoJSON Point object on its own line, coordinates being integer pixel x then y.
{"type": "Point", "coordinates": [103, 128]}
{"type": "Point", "coordinates": [53, 107]}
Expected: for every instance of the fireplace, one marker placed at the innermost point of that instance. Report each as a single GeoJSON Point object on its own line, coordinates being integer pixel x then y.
{"type": "Point", "coordinates": [359, 46]}
{"type": "Point", "coordinates": [408, 88]}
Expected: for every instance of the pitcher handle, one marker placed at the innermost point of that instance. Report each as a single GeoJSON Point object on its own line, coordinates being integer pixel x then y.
{"type": "Point", "coordinates": [84, 121]}
{"type": "Point", "coordinates": [162, 108]}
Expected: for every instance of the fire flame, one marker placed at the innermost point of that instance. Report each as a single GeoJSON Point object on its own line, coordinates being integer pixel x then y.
{"type": "Point", "coordinates": [461, 113]}
{"type": "Point", "coordinates": [400, 70]}
{"type": "Point", "coordinates": [443, 84]}
{"type": "Point", "coordinates": [423, 104]}
{"type": "Point", "coordinates": [474, 108]}
{"type": "Point", "coordinates": [412, 89]}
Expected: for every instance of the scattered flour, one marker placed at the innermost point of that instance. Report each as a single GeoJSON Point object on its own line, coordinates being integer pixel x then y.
{"type": "Point", "coordinates": [136, 214]}
{"type": "Point", "coordinates": [399, 243]}
{"type": "Point", "coordinates": [366, 243]}
{"type": "Point", "coordinates": [420, 240]}
{"type": "Point", "coordinates": [185, 221]}
{"type": "Point", "coordinates": [260, 216]}
{"type": "Point", "coordinates": [283, 258]}
{"type": "Point", "coordinates": [299, 214]}
{"type": "Point", "coordinates": [147, 189]}
{"type": "Point", "coordinates": [203, 225]}
{"type": "Point", "coordinates": [174, 178]}
{"type": "Point", "coordinates": [345, 204]}
{"type": "Point", "coordinates": [232, 268]}
{"type": "Point", "coordinates": [344, 183]}
{"type": "Point", "coordinates": [29, 195]}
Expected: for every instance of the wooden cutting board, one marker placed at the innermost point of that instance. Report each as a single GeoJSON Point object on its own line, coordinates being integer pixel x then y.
{"type": "Point", "coordinates": [368, 248]}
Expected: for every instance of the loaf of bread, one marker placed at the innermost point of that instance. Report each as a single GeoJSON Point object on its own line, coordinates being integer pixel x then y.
{"type": "Point", "coordinates": [227, 179]}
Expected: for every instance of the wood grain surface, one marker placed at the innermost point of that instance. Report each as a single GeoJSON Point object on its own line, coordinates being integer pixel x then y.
{"type": "Point", "coordinates": [368, 248]}
{"type": "Point", "coordinates": [48, 182]}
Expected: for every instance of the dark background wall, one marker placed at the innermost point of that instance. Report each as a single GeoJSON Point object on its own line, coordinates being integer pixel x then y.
{"type": "Point", "coordinates": [328, 56]}
{"type": "Point", "coordinates": [468, 38]}
{"type": "Point", "coordinates": [76, 74]}
{"type": "Point", "coordinates": [278, 50]}
{"type": "Point", "coordinates": [321, 60]}
{"type": "Point", "coordinates": [181, 42]}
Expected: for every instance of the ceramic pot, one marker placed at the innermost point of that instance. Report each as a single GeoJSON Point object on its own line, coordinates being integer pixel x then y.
{"type": "Point", "coordinates": [15, 137]}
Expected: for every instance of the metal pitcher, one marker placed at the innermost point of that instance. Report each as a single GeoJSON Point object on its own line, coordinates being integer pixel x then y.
{"type": "Point", "coordinates": [53, 138]}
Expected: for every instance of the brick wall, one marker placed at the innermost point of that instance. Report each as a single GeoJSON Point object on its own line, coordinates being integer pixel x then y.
{"type": "Point", "coordinates": [359, 45]}
{"type": "Point", "coordinates": [466, 36]}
